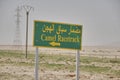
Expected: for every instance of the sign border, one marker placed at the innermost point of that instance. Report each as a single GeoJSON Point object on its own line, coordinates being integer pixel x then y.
{"type": "Point", "coordinates": [57, 23]}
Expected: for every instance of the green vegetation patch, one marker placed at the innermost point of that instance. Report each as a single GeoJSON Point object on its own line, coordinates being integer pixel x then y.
{"type": "Point", "coordinates": [94, 69]}
{"type": "Point", "coordinates": [87, 59]}
{"type": "Point", "coordinates": [11, 54]}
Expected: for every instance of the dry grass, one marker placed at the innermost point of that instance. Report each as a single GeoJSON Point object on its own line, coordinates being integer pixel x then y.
{"type": "Point", "coordinates": [57, 66]}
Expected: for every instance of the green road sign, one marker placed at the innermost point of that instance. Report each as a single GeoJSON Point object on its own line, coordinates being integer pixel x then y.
{"type": "Point", "coordinates": [59, 35]}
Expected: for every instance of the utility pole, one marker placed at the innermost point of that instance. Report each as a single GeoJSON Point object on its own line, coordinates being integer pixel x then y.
{"type": "Point", "coordinates": [27, 9]}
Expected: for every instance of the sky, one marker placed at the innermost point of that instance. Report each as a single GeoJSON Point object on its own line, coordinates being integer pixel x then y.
{"type": "Point", "coordinates": [100, 19]}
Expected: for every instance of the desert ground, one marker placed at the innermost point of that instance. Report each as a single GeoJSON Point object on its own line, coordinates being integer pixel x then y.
{"type": "Point", "coordinates": [96, 63]}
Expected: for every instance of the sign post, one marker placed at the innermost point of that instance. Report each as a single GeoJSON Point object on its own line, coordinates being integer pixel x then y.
{"type": "Point", "coordinates": [36, 64]}
{"type": "Point", "coordinates": [57, 35]}
{"type": "Point", "coordinates": [77, 64]}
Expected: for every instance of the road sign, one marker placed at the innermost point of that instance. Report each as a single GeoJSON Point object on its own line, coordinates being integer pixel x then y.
{"type": "Point", "coordinates": [59, 35]}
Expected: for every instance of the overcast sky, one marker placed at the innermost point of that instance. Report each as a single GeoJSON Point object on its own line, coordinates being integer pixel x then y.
{"type": "Point", "coordinates": [100, 18]}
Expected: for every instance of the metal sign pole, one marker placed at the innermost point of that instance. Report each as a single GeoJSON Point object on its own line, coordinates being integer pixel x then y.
{"type": "Point", "coordinates": [77, 64]}
{"type": "Point", "coordinates": [36, 64]}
